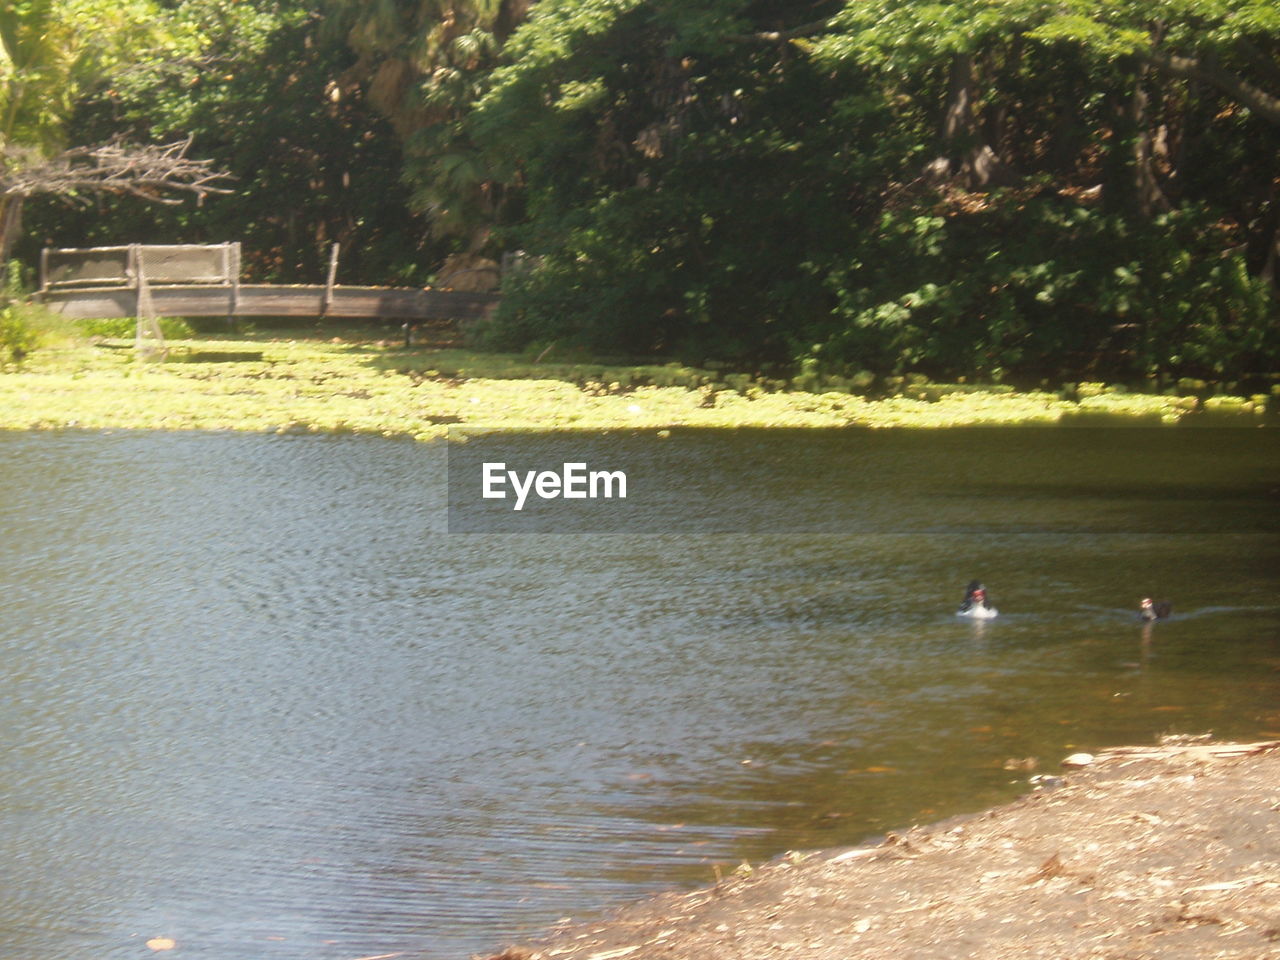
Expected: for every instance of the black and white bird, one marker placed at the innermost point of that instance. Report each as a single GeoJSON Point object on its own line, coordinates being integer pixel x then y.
{"type": "Point", "coordinates": [1154, 611]}
{"type": "Point", "coordinates": [975, 604]}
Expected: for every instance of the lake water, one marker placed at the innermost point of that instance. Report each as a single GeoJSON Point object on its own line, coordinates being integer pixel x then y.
{"type": "Point", "coordinates": [257, 699]}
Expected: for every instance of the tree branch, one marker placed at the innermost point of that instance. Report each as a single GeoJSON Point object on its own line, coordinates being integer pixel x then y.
{"type": "Point", "coordinates": [1195, 68]}
{"type": "Point", "coordinates": [149, 172]}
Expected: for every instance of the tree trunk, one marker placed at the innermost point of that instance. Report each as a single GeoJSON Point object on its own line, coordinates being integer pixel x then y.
{"type": "Point", "coordinates": [1131, 186]}
{"type": "Point", "coordinates": [968, 159]}
{"type": "Point", "coordinates": [1271, 266]}
{"type": "Point", "coordinates": [1148, 198]}
{"type": "Point", "coordinates": [10, 227]}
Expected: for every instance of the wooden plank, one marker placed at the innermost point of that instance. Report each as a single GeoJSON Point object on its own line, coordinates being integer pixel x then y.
{"type": "Point", "coordinates": [271, 300]}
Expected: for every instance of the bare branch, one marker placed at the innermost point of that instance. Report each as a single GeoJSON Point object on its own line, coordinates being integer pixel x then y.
{"type": "Point", "coordinates": [151, 172]}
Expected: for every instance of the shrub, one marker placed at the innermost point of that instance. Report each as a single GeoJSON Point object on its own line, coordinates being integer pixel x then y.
{"type": "Point", "coordinates": [1081, 293]}
{"type": "Point", "coordinates": [18, 336]}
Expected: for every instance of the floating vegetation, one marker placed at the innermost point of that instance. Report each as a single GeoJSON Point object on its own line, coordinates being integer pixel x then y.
{"type": "Point", "coordinates": [344, 386]}
{"type": "Point", "coordinates": [216, 356]}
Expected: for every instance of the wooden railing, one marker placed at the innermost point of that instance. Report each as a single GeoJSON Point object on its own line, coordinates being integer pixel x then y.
{"type": "Point", "coordinates": [203, 280]}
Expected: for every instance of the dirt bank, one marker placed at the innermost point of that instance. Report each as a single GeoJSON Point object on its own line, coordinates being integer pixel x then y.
{"type": "Point", "coordinates": [1167, 852]}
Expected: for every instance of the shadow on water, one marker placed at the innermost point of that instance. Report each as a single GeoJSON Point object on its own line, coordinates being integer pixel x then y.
{"type": "Point", "coordinates": [260, 701]}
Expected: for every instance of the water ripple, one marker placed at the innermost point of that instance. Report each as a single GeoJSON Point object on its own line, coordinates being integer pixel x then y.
{"type": "Point", "coordinates": [257, 701]}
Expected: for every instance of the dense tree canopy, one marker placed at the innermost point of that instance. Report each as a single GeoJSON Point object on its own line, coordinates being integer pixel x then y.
{"type": "Point", "coordinates": [995, 188]}
{"type": "Point", "coordinates": [1009, 189]}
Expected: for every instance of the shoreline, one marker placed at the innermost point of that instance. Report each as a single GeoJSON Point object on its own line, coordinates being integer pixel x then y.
{"type": "Point", "coordinates": [1170, 851]}
{"type": "Point", "coordinates": [313, 386]}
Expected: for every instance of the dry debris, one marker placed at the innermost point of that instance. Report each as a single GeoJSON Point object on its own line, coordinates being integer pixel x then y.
{"type": "Point", "coordinates": [1164, 852]}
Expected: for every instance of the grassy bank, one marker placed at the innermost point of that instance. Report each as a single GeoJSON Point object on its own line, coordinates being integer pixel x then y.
{"type": "Point", "coordinates": [336, 383]}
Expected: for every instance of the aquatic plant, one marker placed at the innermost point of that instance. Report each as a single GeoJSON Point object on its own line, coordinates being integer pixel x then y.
{"type": "Point", "coordinates": [377, 388]}
{"type": "Point", "coordinates": [173, 328]}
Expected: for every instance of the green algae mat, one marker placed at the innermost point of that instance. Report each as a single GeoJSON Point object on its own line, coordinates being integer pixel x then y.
{"type": "Point", "coordinates": [328, 386]}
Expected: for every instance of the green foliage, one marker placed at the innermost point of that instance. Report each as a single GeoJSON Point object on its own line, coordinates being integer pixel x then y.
{"type": "Point", "coordinates": [24, 326]}
{"type": "Point", "coordinates": [18, 336]}
{"type": "Point", "coordinates": [53, 51]}
{"type": "Point", "coordinates": [1003, 189]}
{"type": "Point", "coordinates": [672, 176]}
{"type": "Point", "coordinates": [1081, 293]}
{"type": "Point", "coordinates": [697, 188]}
{"type": "Point", "coordinates": [423, 64]}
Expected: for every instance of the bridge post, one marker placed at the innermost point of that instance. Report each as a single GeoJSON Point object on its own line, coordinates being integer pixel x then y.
{"type": "Point", "coordinates": [231, 276]}
{"type": "Point", "coordinates": [134, 263]}
{"type": "Point", "coordinates": [327, 299]}
{"type": "Point", "coordinates": [148, 339]}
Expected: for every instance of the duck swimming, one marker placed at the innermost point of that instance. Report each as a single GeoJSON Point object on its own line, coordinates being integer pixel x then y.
{"type": "Point", "coordinates": [1154, 611]}
{"type": "Point", "coordinates": [975, 604]}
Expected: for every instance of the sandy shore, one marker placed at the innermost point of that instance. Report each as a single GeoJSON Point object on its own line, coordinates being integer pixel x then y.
{"type": "Point", "coordinates": [1166, 852]}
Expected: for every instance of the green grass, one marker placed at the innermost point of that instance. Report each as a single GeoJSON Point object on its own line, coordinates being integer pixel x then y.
{"type": "Point", "coordinates": [341, 378]}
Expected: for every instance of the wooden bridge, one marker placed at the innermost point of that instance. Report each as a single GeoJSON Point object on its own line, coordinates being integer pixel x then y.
{"type": "Point", "coordinates": [190, 280]}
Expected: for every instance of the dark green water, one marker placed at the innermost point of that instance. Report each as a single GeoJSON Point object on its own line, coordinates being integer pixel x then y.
{"type": "Point", "coordinates": [256, 699]}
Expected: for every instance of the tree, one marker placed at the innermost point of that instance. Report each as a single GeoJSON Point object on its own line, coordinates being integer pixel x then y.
{"type": "Point", "coordinates": [1076, 102]}
{"type": "Point", "coordinates": [50, 52]}
{"type": "Point", "coordinates": [152, 173]}
{"type": "Point", "coordinates": [1007, 188]}
{"type": "Point", "coordinates": [1220, 56]}
{"type": "Point", "coordinates": [264, 90]}
{"type": "Point", "coordinates": [53, 53]}
{"type": "Point", "coordinates": [678, 168]}
{"type": "Point", "coordinates": [424, 64]}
